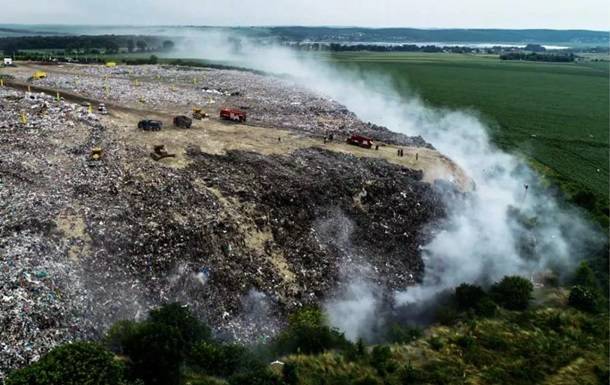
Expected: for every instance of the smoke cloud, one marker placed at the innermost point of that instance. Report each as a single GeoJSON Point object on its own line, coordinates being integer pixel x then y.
{"type": "Point", "coordinates": [499, 228]}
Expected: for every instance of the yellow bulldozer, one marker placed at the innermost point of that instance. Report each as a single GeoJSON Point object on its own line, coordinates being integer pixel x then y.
{"type": "Point", "coordinates": [199, 114]}
{"type": "Point", "coordinates": [39, 75]}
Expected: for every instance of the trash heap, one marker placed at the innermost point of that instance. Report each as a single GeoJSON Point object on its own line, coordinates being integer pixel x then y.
{"type": "Point", "coordinates": [269, 101]}
{"type": "Point", "coordinates": [92, 230]}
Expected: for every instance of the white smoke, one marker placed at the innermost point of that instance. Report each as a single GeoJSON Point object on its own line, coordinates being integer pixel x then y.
{"type": "Point", "coordinates": [482, 239]}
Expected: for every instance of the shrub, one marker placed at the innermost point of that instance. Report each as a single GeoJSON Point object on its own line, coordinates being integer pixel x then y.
{"type": "Point", "coordinates": [258, 377]}
{"type": "Point", "coordinates": [222, 359]}
{"type": "Point", "coordinates": [380, 358]}
{"type": "Point", "coordinates": [513, 292]}
{"type": "Point", "coordinates": [72, 364]}
{"type": "Point", "coordinates": [436, 343]}
{"type": "Point", "coordinates": [290, 374]}
{"type": "Point", "coordinates": [158, 346]}
{"type": "Point", "coordinates": [468, 296]}
{"type": "Point", "coordinates": [584, 299]}
{"type": "Point", "coordinates": [403, 334]}
{"type": "Point", "coordinates": [155, 353]}
{"type": "Point", "coordinates": [584, 276]}
{"type": "Point", "coordinates": [308, 333]}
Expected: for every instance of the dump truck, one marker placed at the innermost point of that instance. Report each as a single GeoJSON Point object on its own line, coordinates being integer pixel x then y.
{"type": "Point", "coordinates": [183, 121]}
{"type": "Point", "coordinates": [233, 114]}
{"type": "Point", "coordinates": [110, 64]}
{"type": "Point", "coordinates": [199, 114]}
{"type": "Point", "coordinates": [360, 141]}
{"type": "Point", "coordinates": [150, 125]}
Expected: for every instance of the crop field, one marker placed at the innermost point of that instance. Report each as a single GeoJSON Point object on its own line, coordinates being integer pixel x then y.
{"type": "Point", "coordinates": [554, 114]}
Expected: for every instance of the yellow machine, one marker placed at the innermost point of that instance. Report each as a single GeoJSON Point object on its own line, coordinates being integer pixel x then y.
{"type": "Point", "coordinates": [198, 114]}
{"type": "Point", "coordinates": [96, 153]}
{"type": "Point", "coordinates": [39, 75]}
{"type": "Point", "coordinates": [110, 64]}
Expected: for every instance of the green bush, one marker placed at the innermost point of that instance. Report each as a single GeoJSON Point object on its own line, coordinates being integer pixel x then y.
{"type": "Point", "coordinates": [158, 347]}
{"type": "Point", "coordinates": [513, 292]}
{"type": "Point", "coordinates": [468, 296]}
{"type": "Point", "coordinates": [585, 277]}
{"type": "Point", "coordinates": [403, 334]}
{"type": "Point", "coordinates": [308, 333]}
{"type": "Point", "coordinates": [223, 359]}
{"type": "Point", "coordinates": [73, 364]}
{"type": "Point", "coordinates": [380, 359]}
{"type": "Point", "coordinates": [290, 374]}
{"type": "Point", "coordinates": [258, 377]}
{"type": "Point", "coordinates": [584, 299]}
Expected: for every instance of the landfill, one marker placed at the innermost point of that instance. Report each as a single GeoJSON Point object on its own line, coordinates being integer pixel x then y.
{"type": "Point", "coordinates": [270, 101]}
{"type": "Point", "coordinates": [92, 230]}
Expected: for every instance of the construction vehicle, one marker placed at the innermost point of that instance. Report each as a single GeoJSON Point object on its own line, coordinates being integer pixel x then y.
{"type": "Point", "coordinates": [183, 121]}
{"type": "Point", "coordinates": [360, 141]}
{"type": "Point", "coordinates": [160, 152]}
{"type": "Point", "coordinates": [198, 114]}
{"type": "Point", "coordinates": [101, 108]}
{"type": "Point", "coordinates": [150, 125]}
{"type": "Point", "coordinates": [39, 75]}
{"type": "Point", "coordinates": [110, 64]}
{"type": "Point", "coordinates": [96, 153]}
{"type": "Point", "coordinates": [233, 114]}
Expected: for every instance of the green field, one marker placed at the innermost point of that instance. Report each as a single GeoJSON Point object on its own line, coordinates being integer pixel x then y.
{"type": "Point", "coordinates": [554, 114]}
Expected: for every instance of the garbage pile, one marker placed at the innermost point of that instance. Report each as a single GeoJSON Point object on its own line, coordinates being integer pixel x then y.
{"type": "Point", "coordinates": [41, 298]}
{"type": "Point", "coordinates": [243, 238]}
{"type": "Point", "coordinates": [270, 101]}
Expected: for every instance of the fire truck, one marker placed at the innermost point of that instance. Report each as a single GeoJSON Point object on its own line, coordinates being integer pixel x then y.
{"type": "Point", "coordinates": [233, 114]}
{"type": "Point", "coordinates": [360, 141]}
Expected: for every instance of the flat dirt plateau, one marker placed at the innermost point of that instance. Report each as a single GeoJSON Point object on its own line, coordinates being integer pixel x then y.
{"type": "Point", "coordinates": [246, 223]}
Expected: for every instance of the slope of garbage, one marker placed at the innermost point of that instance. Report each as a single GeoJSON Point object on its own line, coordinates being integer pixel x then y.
{"type": "Point", "coordinates": [270, 101]}
{"type": "Point", "coordinates": [242, 237]}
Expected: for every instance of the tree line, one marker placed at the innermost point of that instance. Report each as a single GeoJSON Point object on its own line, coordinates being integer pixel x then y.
{"type": "Point", "coordinates": [536, 56]}
{"type": "Point", "coordinates": [110, 44]}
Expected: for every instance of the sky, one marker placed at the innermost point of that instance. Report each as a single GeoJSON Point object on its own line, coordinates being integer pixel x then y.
{"type": "Point", "coordinates": [554, 14]}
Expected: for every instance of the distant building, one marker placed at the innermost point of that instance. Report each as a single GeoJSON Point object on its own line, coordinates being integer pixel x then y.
{"type": "Point", "coordinates": [8, 61]}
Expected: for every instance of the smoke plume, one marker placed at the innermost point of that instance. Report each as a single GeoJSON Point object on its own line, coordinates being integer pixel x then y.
{"type": "Point", "coordinates": [501, 227]}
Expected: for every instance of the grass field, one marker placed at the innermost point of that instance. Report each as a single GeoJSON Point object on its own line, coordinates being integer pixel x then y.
{"type": "Point", "coordinates": [554, 114]}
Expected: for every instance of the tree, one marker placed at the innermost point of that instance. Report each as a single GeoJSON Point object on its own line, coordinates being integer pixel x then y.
{"type": "Point", "coordinates": [584, 299]}
{"type": "Point", "coordinates": [223, 359]}
{"type": "Point", "coordinates": [585, 277]}
{"type": "Point", "coordinates": [189, 328]}
{"type": "Point", "coordinates": [308, 333]}
{"type": "Point", "coordinates": [153, 59]}
{"type": "Point", "coordinates": [168, 45]}
{"type": "Point", "coordinates": [158, 347]}
{"type": "Point", "coordinates": [130, 46]}
{"type": "Point", "coordinates": [403, 334]}
{"type": "Point", "coordinates": [513, 292]}
{"type": "Point", "coordinates": [111, 47]}
{"type": "Point", "coordinates": [155, 354]}
{"type": "Point", "coordinates": [73, 364]}
{"type": "Point", "coordinates": [141, 44]}
{"type": "Point", "coordinates": [468, 296]}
